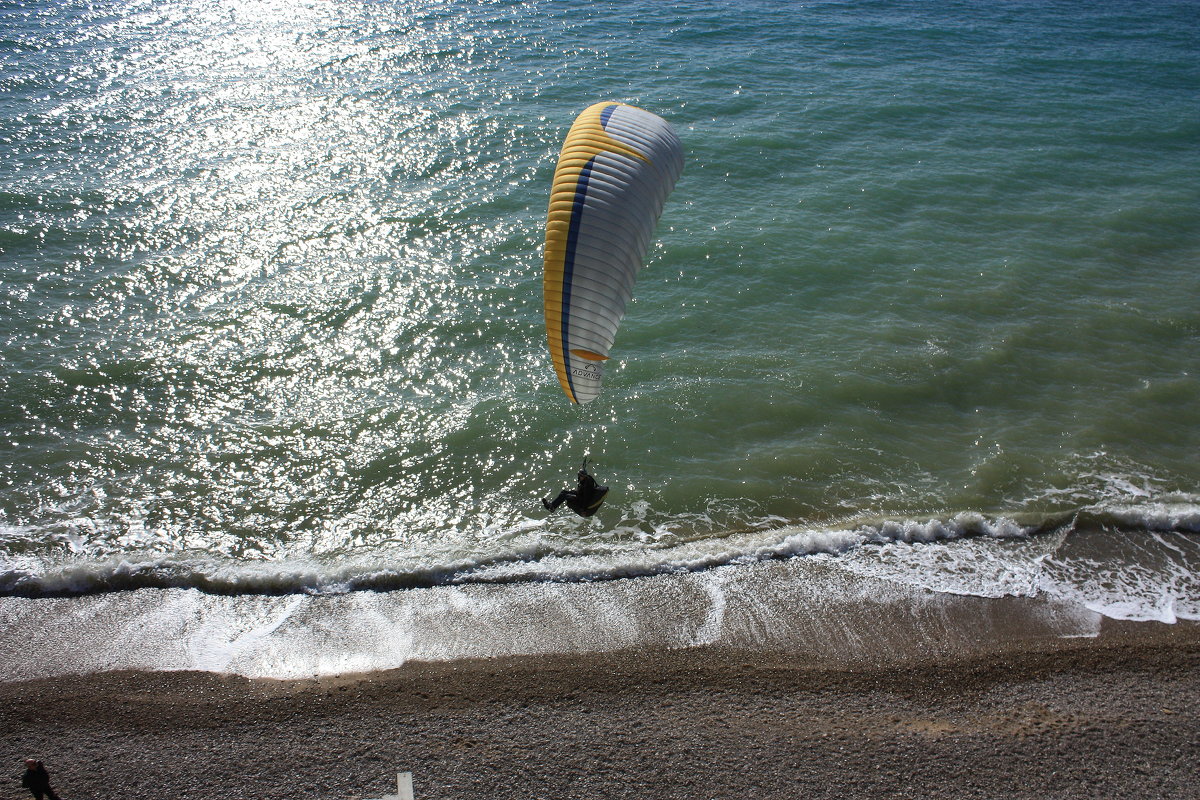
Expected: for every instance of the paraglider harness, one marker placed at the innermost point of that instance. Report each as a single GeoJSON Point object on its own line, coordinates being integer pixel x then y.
{"type": "Point", "coordinates": [585, 499]}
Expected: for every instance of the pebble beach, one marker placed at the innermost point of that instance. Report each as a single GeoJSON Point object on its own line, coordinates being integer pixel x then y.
{"type": "Point", "coordinates": [1112, 716]}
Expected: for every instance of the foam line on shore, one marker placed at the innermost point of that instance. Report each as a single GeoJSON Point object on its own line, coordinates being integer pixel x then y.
{"type": "Point", "coordinates": [813, 608]}
{"type": "Point", "coordinates": [531, 556]}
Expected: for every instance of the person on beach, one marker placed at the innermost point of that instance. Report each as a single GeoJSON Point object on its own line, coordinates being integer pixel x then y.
{"type": "Point", "coordinates": [37, 780]}
{"type": "Point", "coordinates": [584, 500]}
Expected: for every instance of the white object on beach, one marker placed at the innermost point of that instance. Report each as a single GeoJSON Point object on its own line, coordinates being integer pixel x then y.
{"type": "Point", "coordinates": [403, 788]}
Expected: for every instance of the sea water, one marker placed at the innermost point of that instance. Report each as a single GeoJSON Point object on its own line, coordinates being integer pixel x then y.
{"type": "Point", "coordinates": [921, 309]}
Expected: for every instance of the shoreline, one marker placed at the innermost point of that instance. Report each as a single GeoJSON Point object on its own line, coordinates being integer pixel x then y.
{"type": "Point", "coordinates": [816, 609]}
{"type": "Point", "coordinates": [1114, 715]}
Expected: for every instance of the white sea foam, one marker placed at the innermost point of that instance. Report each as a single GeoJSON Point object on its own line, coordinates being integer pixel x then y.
{"type": "Point", "coordinates": [968, 553]}
{"type": "Point", "coordinates": [811, 607]}
{"type": "Point", "coordinates": [834, 593]}
{"type": "Point", "coordinates": [1168, 515]}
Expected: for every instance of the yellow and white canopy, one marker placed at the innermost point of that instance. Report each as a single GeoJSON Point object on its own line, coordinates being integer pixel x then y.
{"type": "Point", "coordinates": [617, 166]}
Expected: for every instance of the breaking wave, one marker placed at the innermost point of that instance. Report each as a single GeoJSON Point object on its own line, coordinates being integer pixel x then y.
{"type": "Point", "coordinates": [537, 556]}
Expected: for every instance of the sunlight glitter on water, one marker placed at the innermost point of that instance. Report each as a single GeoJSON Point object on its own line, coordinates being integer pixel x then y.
{"type": "Point", "coordinates": [272, 291]}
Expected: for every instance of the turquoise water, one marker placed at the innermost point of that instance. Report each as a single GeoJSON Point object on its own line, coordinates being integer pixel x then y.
{"type": "Point", "coordinates": [270, 311]}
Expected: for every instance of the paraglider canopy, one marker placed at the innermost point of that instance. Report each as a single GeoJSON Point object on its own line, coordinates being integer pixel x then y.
{"type": "Point", "coordinates": [617, 166]}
